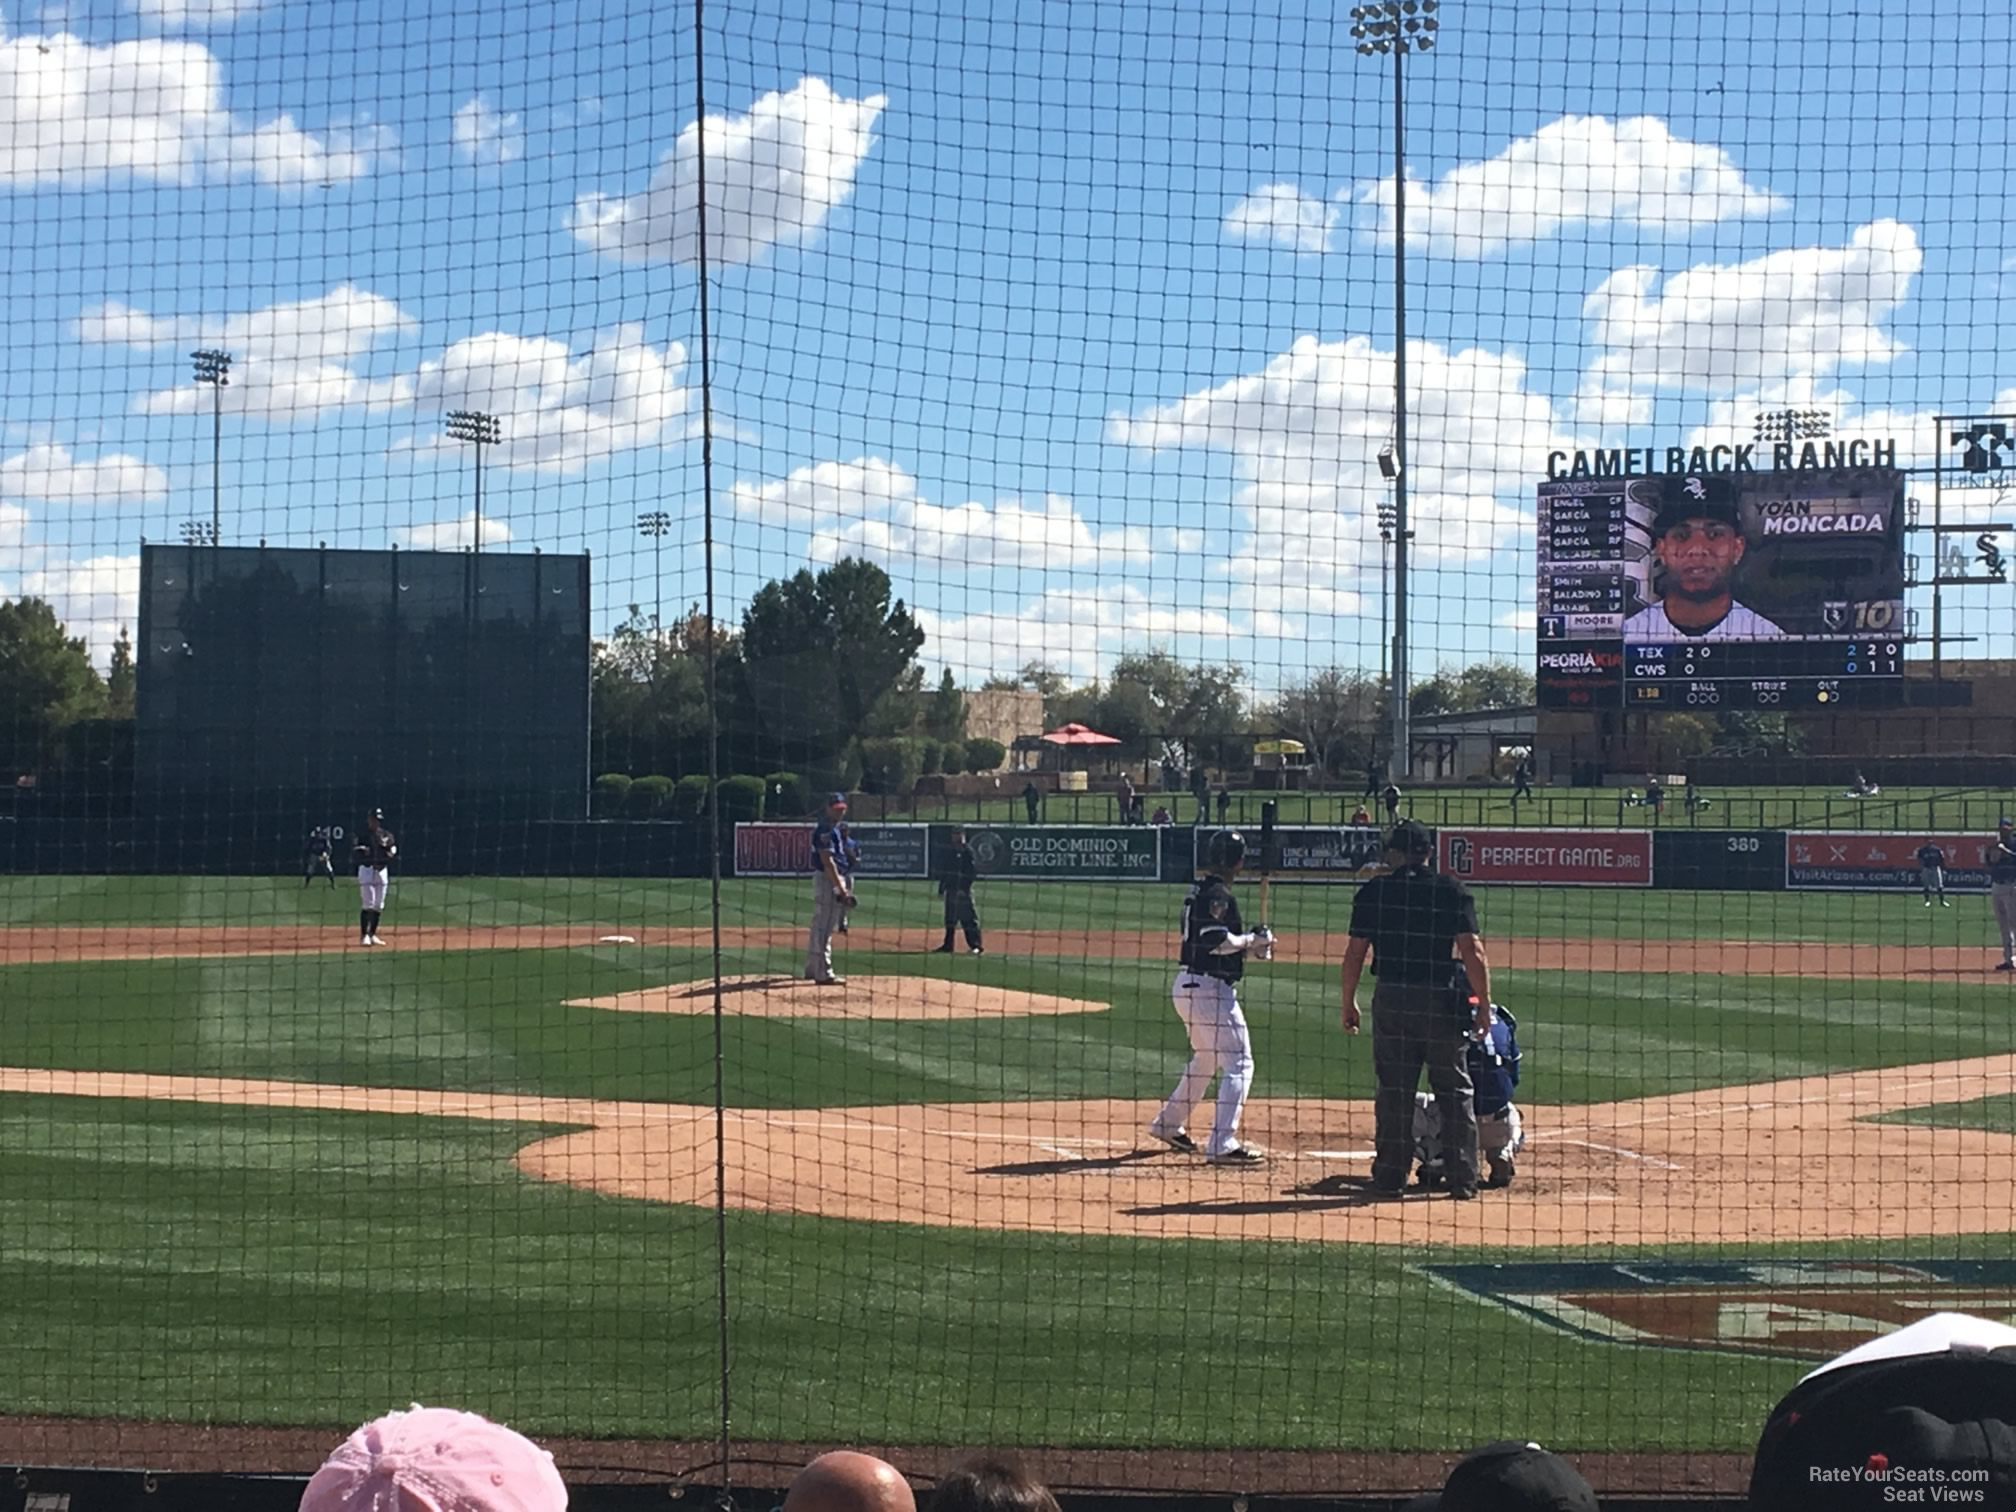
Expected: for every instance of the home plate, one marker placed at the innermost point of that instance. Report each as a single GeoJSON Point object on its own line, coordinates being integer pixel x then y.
{"type": "Point", "coordinates": [617, 940]}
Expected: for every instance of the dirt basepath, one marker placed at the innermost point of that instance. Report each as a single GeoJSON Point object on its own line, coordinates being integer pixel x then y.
{"type": "Point", "coordinates": [1785, 1160]}
{"type": "Point", "coordinates": [25, 945]}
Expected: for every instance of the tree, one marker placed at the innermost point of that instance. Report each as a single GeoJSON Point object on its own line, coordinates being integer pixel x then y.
{"type": "Point", "coordinates": [1481, 685]}
{"type": "Point", "coordinates": [648, 697]}
{"type": "Point", "coordinates": [818, 655]}
{"type": "Point", "coordinates": [945, 715]}
{"type": "Point", "coordinates": [121, 683]}
{"type": "Point", "coordinates": [1337, 714]}
{"type": "Point", "coordinates": [1038, 676]}
{"type": "Point", "coordinates": [47, 683]}
{"type": "Point", "coordinates": [1200, 706]}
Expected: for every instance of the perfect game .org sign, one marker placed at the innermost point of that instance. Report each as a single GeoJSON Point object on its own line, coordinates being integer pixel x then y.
{"type": "Point", "coordinates": [1067, 853]}
{"type": "Point", "coordinates": [1779, 456]}
{"type": "Point", "coordinates": [785, 850]}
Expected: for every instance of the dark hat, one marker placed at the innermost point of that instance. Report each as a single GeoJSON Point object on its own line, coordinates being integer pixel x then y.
{"type": "Point", "coordinates": [1697, 496]}
{"type": "Point", "coordinates": [1512, 1477]}
{"type": "Point", "coordinates": [836, 800]}
{"type": "Point", "coordinates": [1411, 836]}
{"type": "Point", "coordinates": [1929, 1405]}
{"type": "Point", "coordinates": [377, 813]}
{"type": "Point", "coordinates": [2004, 823]}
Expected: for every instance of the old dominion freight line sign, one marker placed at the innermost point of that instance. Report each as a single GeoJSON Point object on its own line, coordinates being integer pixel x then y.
{"type": "Point", "coordinates": [1068, 853]}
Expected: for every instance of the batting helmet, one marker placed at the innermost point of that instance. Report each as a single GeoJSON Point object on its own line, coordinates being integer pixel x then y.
{"type": "Point", "coordinates": [1227, 848]}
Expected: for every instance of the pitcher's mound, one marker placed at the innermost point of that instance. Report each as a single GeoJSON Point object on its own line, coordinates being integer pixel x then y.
{"type": "Point", "coordinates": [859, 997]}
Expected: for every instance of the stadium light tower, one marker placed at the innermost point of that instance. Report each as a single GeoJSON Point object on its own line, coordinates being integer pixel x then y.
{"type": "Point", "coordinates": [214, 368]}
{"type": "Point", "coordinates": [1396, 28]}
{"type": "Point", "coordinates": [480, 430]}
{"type": "Point", "coordinates": [1386, 524]}
{"type": "Point", "coordinates": [199, 533]}
{"type": "Point", "coordinates": [657, 525]}
{"type": "Point", "coordinates": [1793, 425]}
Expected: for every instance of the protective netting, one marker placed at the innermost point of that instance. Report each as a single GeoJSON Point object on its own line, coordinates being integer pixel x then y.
{"type": "Point", "coordinates": [475, 485]}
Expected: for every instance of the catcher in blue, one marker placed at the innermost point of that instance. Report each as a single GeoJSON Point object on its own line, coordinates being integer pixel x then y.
{"type": "Point", "coordinates": [1206, 994]}
{"type": "Point", "coordinates": [1494, 1072]}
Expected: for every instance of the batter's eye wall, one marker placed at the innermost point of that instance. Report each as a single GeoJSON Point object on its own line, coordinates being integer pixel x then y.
{"type": "Point", "coordinates": [328, 680]}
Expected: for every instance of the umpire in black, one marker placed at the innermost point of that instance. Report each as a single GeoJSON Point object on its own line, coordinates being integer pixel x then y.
{"type": "Point", "coordinates": [955, 883]}
{"type": "Point", "coordinates": [1416, 924]}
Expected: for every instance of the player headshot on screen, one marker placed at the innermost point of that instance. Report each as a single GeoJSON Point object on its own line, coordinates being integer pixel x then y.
{"type": "Point", "coordinates": [1698, 540]}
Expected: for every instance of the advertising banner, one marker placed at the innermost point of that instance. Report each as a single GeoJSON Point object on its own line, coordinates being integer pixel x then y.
{"type": "Point", "coordinates": [1339, 853]}
{"type": "Point", "coordinates": [785, 850]}
{"type": "Point", "coordinates": [1864, 861]}
{"type": "Point", "coordinates": [1548, 857]}
{"type": "Point", "coordinates": [1067, 853]}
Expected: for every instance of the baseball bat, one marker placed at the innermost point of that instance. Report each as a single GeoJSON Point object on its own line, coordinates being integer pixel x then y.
{"type": "Point", "coordinates": [1268, 810]}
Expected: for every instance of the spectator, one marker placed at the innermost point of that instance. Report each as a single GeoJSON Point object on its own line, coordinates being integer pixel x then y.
{"type": "Point", "coordinates": [1126, 799]}
{"type": "Point", "coordinates": [1655, 794]}
{"type": "Point", "coordinates": [1929, 1406]}
{"type": "Point", "coordinates": [1032, 798]}
{"type": "Point", "coordinates": [1374, 778]}
{"type": "Point", "coordinates": [439, 1460]}
{"type": "Point", "coordinates": [1200, 789]}
{"type": "Point", "coordinates": [990, 1483]}
{"type": "Point", "coordinates": [1361, 815]}
{"type": "Point", "coordinates": [1224, 804]}
{"type": "Point", "coordinates": [847, 1482]}
{"type": "Point", "coordinates": [1162, 815]}
{"type": "Point", "coordinates": [1390, 796]}
{"type": "Point", "coordinates": [1510, 1478]}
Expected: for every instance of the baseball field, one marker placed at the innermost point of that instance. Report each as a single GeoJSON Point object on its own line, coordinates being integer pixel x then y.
{"type": "Point", "coordinates": [253, 1174]}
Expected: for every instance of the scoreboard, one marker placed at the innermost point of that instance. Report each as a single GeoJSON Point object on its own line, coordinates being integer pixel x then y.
{"type": "Point", "coordinates": [1774, 590]}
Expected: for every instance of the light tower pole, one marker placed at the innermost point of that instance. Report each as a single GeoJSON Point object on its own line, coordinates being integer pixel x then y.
{"type": "Point", "coordinates": [214, 368]}
{"type": "Point", "coordinates": [656, 524]}
{"type": "Point", "coordinates": [1396, 28]}
{"type": "Point", "coordinates": [480, 430]}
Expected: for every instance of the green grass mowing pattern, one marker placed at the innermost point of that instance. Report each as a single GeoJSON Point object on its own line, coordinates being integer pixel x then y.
{"type": "Point", "coordinates": [290, 1266]}
{"type": "Point", "coordinates": [1076, 913]}
{"type": "Point", "coordinates": [499, 1021]}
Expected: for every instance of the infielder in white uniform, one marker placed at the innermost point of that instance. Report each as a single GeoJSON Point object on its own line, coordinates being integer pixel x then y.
{"type": "Point", "coordinates": [1698, 539]}
{"type": "Point", "coordinates": [374, 854]}
{"type": "Point", "coordinates": [1206, 995]}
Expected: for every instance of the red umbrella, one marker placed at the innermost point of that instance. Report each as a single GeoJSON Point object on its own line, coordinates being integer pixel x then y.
{"type": "Point", "coordinates": [1079, 735]}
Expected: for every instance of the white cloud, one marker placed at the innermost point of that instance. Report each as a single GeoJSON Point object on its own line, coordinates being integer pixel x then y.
{"type": "Point", "coordinates": [1799, 313]}
{"type": "Point", "coordinates": [93, 597]}
{"type": "Point", "coordinates": [72, 113]}
{"type": "Point", "coordinates": [174, 15]}
{"type": "Point", "coordinates": [558, 411]}
{"type": "Point", "coordinates": [871, 507]}
{"type": "Point", "coordinates": [452, 535]}
{"type": "Point", "coordinates": [1079, 631]}
{"type": "Point", "coordinates": [1579, 170]}
{"type": "Point", "coordinates": [13, 529]}
{"type": "Point", "coordinates": [50, 473]}
{"type": "Point", "coordinates": [484, 135]}
{"type": "Point", "coordinates": [1518, 619]}
{"type": "Point", "coordinates": [1306, 431]}
{"type": "Point", "coordinates": [290, 362]}
{"type": "Point", "coordinates": [773, 175]}
{"type": "Point", "coordinates": [1283, 213]}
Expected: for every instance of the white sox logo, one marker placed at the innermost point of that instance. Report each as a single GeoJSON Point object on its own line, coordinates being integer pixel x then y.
{"type": "Point", "coordinates": [1462, 855]}
{"type": "Point", "coordinates": [1696, 488]}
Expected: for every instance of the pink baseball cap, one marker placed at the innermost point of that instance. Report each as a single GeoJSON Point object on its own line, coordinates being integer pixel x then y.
{"type": "Point", "coordinates": [435, 1459]}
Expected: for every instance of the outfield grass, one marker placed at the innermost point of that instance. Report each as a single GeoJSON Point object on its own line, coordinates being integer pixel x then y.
{"type": "Point", "coordinates": [1074, 912]}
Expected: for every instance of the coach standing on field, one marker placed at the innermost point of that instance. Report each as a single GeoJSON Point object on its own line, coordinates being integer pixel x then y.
{"type": "Point", "coordinates": [2002, 888]}
{"type": "Point", "coordinates": [1410, 921]}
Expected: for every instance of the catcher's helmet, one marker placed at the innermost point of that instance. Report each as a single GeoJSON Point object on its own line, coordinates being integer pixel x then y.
{"type": "Point", "coordinates": [1227, 848]}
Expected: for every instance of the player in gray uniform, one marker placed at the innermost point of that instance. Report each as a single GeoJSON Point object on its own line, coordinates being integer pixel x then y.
{"type": "Point", "coordinates": [2002, 888]}
{"type": "Point", "coordinates": [1932, 872]}
{"type": "Point", "coordinates": [832, 890]}
{"type": "Point", "coordinates": [373, 855]}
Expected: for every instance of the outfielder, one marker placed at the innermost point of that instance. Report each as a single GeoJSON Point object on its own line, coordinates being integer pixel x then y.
{"type": "Point", "coordinates": [832, 892]}
{"type": "Point", "coordinates": [2002, 888]}
{"type": "Point", "coordinates": [1206, 994]}
{"type": "Point", "coordinates": [319, 862]}
{"type": "Point", "coordinates": [374, 853]}
{"type": "Point", "coordinates": [1932, 872]}
{"type": "Point", "coordinates": [1501, 1134]}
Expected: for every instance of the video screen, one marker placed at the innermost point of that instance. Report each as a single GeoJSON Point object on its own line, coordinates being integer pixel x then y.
{"type": "Point", "coordinates": [1736, 590]}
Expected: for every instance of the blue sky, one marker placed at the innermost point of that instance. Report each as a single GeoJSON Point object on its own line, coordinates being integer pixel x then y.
{"type": "Point", "coordinates": [1075, 315]}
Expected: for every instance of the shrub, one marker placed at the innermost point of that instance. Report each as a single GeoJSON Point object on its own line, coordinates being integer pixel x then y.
{"type": "Point", "coordinates": [890, 766]}
{"type": "Point", "coordinates": [930, 757]}
{"type": "Point", "coordinates": [786, 796]}
{"type": "Point", "coordinates": [984, 755]}
{"type": "Point", "coordinates": [741, 799]}
{"type": "Point", "coordinates": [647, 797]}
{"type": "Point", "coordinates": [605, 800]}
{"type": "Point", "coordinates": [689, 797]}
